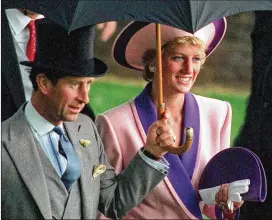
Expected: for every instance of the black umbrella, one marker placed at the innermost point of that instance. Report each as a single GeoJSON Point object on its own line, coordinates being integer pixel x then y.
{"type": "Point", "coordinates": [189, 15]}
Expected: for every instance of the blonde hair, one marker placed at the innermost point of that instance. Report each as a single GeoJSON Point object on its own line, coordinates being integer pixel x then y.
{"type": "Point", "coordinates": [149, 57]}
{"type": "Point", "coordinates": [192, 40]}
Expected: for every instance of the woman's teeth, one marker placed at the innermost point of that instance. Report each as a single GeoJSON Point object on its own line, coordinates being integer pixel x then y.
{"type": "Point", "coordinates": [184, 79]}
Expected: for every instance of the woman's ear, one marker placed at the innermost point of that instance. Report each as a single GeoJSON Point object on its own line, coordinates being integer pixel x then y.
{"type": "Point", "coordinates": [43, 83]}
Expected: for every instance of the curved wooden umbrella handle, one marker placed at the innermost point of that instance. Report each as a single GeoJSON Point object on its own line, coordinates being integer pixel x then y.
{"type": "Point", "coordinates": [189, 135]}
{"type": "Point", "coordinates": [189, 132]}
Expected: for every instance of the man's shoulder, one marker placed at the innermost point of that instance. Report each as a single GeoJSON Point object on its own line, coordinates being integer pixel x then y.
{"type": "Point", "coordinates": [83, 122]}
{"type": "Point", "coordinates": [15, 123]}
{"type": "Point", "coordinates": [5, 128]}
{"type": "Point", "coordinates": [82, 118]}
{"type": "Point", "coordinates": [18, 116]}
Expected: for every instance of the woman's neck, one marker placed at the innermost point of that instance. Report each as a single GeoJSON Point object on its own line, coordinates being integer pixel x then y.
{"type": "Point", "coordinates": [173, 102]}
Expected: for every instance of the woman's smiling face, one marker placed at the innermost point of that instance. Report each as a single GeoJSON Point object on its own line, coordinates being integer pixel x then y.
{"type": "Point", "coordinates": [180, 66]}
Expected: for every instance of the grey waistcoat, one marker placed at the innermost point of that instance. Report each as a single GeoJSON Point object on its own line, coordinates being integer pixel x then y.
{"type": "Point", "coordinates": [64, 205]}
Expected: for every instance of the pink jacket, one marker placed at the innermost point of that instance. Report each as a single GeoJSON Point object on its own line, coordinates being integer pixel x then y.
{"type": "Point", "coordinates": [123, 134]}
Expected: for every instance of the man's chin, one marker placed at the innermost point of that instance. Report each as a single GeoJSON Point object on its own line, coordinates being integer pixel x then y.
{"type": "Point", "coordinates": [70, 118]}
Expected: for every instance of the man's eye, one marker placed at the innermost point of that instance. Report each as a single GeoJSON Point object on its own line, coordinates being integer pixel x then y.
{"type": "Point", "coordinates": [74, 84]}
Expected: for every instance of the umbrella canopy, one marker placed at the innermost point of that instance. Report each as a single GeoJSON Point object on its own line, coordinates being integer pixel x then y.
{"type": "Point", "coordinates": [188, 15]}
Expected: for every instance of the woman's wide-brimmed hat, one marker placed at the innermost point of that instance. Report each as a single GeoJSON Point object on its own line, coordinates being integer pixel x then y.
{"type": "Point", "coordinates": [138, 37]}
{"type": "Point", "coordinates": [68, 54]}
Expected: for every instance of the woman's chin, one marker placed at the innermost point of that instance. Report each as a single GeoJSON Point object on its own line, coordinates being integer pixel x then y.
{"type": "Point", "coordinates": [184, 89]}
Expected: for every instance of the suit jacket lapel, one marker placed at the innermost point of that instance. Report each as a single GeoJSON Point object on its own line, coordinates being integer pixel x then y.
{"type": "Point", "coordinates": [190, 119]}
{"type": "Point", "coordinates": [23, 151]}
{"type": "Point", "coordinates": [178, 172]}
{"type": "Point", "coordinates": [74, 133]}
{"type": "Point", "coordinates": [72, 130]}
{"type": "Point", "coordinates": [10, 68]}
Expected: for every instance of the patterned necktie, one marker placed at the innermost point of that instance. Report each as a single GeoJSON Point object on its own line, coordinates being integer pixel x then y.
{"type": "Point", "coordinates": [72, 172]}
{"type": "Point", "coordinates": [31, 45]}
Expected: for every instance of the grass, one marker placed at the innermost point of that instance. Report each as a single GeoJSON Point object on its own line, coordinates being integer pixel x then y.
{"type": "Point", "coordinates": [108, 94]}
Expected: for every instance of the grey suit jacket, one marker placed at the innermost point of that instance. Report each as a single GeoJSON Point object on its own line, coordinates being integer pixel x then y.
{"type": "Point", "coordinates": [24, 190]}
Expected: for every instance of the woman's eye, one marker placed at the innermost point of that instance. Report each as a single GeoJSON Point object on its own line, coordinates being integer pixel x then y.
{"type": "Point", "coordinates": [177, 58]}
{"type": "Point", "coordinates": [196, 59]}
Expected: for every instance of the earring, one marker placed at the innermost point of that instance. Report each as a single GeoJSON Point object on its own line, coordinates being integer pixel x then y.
{"type": "Point", "coordinates": [152, 68]}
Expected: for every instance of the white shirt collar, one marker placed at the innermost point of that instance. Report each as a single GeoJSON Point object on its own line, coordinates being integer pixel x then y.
{"type": "Point", "coordinates": [37, 122]}
{"type": "Point", "coordinates": [17, 20]}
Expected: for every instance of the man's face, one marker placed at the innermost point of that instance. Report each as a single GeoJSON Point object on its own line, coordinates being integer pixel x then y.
{"type": "Point", "coordinates": [67, 98]}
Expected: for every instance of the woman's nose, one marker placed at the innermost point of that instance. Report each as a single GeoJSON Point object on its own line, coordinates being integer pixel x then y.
{"type": "Point", "coordinates": [188, 66]}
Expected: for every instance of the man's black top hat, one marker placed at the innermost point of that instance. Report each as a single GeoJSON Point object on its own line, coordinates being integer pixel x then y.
{"type": "Point", "coordinates": [70, 54]}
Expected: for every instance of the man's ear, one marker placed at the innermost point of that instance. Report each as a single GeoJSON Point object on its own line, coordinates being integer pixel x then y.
{"type": "Point", "coordinates": [43, 83]}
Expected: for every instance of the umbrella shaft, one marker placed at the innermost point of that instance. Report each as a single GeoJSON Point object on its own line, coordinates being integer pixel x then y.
{"type": "Point", "coordinates": [161, 106]}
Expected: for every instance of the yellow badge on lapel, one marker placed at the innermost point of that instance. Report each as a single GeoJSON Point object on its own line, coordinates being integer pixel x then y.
{"type": "Point", "coordinates": [98, 170]}
{"type": "Point", "coordinates": [84, 142]}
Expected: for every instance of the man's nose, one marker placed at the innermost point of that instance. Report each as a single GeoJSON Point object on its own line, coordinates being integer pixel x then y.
{"type": "Point", "coordinates": [83, 95]}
